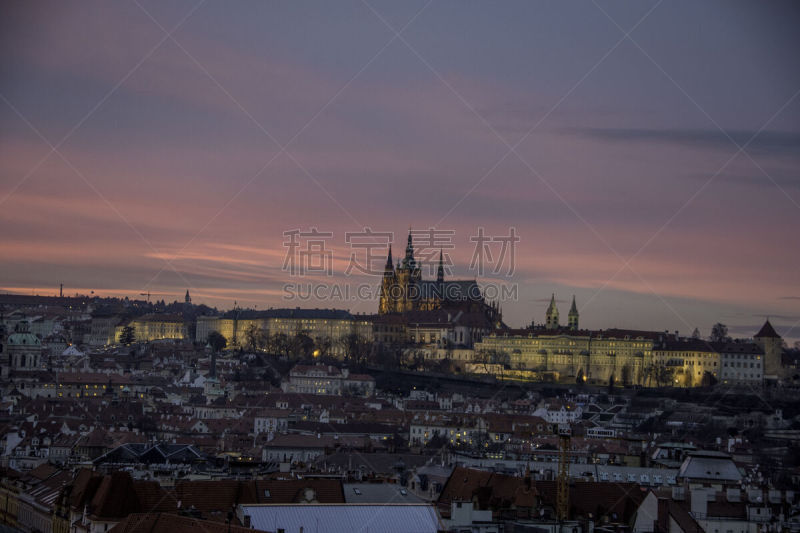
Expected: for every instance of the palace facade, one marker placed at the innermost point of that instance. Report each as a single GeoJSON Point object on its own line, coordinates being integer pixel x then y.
{"type": "Point", "coordinates": [330, 324]}
{"type": "Point", "coordinates": [632, 356]}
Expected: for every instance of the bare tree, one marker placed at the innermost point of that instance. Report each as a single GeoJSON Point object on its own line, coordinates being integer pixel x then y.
{"type": "Point", "coordinates": [626, 374]}
{"type": "Point", "coordinates": [128, 335]}
{"type": "Point", "coordinates": [278, 344]}
{"type": "Point", "coordinates": [719, 333]}
{"type": "Point", "coordinates": [661, 373]}
{"type": "Point", "coordinates": [217, 341]}
{"type": "Point", "coordinates": [254, 338]}
{"type": "Point", "coordinates": [356, 348]}
{"type": "Point", "coordinates": [301, 345]}
{"type": "Point", "coordinates": [491, 357]}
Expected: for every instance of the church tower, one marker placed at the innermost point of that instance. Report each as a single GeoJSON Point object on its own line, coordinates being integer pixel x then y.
{"type": "Point", "coordinates": [408, 277]}
{"type": "Point", "coordinates": [387, 303]}
{"type": "Point", "coordinates": [573, 315]}
{"type": "Point", "coordinates": [187, 299]}
{"type": "Point", "coordinates": [551, 320]}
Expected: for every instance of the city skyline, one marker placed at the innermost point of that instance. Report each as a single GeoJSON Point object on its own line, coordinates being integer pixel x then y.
{"type": "Point", "coordinates": [182, 159]}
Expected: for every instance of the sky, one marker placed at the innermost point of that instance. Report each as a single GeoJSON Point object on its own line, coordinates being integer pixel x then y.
{"type": "Point", "coordinates": [645, 154]}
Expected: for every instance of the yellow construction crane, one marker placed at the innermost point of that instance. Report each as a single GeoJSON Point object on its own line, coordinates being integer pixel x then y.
{"type": "Point", "coordinates": [562, 501]}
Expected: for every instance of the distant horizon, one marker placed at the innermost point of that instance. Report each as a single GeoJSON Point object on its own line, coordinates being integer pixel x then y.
{"type": "Point", "coordinates": [735, 332]}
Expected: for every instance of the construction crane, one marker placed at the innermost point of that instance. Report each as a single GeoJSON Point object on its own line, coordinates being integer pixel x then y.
{"type": "Point", "coordinates": [562, 501]}
{"type": "Point", "coordinates": [149, 294]}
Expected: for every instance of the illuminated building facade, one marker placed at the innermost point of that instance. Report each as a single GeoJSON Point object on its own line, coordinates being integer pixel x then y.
{"type": "Point", "coordinates": [331, 324]}
{"type": "Point", "coordinates": [596, 355]}
{"type": "Point", "coordinates": [648, 358]}
{"type": "Point", "coordinates": [154, 327]}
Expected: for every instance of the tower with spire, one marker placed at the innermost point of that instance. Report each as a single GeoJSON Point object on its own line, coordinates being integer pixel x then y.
{"type": "Point", "coordinates": [187, 299]}
{"type": "Point", "coordinates": [551, 318]}
{"type": "Point", "coordinates": [388, 284]}
{"type": "Point", "coordinates": [403, 289]}
{"type": "Point", "coordinates": [572, 318]}
{"type": "Point", "coordinates": [408, 277]}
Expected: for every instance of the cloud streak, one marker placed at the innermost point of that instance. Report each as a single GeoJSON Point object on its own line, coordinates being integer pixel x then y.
{"type": "Point", "coordinates": [763, 143]}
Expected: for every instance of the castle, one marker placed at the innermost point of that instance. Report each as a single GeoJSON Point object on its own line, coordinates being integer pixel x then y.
{"type": "Point", "coordinates": [403, 290]}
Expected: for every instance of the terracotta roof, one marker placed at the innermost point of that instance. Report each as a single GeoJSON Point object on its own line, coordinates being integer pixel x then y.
{"type": "Point", "coordinates": [306, 369]}
{"type": "Point", "coordinates": [294, 490]}
{"type": "Point", "coordinates": [501, 492]}
{"type": "Point", "coordinates": [300, 441]}
{"type": "Point", "coordinates": [360, 377]}
{"type": "Point", "coordinates": [224, 495]}
{"type": "Point", "coordinates": [89, 378]}
{"type": "Point", "coordinates": [597, 498]}
{"type": "Point", "coordinates": [670, 509]}
{"type": "Point", "coordinates": [173, 523]}
{"type": "Point", "coordinates": [494, 491]}
{"type": "Point", "coordinates": [83, 488]}
{"type": "Point", "coordinates": [155, 317]}
{"type": "Point", "coordinates": [43, 471]}
{"type": "Point", "coordinates": [115, 497]}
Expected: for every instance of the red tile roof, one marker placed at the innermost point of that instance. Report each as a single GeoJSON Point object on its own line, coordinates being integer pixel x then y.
{"type": "Point", "coordinates": [173, 523]}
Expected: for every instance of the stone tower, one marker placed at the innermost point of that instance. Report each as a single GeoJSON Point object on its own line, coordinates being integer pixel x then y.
{"type": "Point", "coordinates": [772, 344]}
{"type": "Point", "coordinates": [551, 319]}
{"type": "Point", "coordinates": [573, 315]}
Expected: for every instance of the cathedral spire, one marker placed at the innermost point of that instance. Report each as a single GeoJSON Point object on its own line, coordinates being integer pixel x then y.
{"type": "Point", "coordinates": [389, 263]}
{"type": "Point", "coordinates": [573, 315]}
{"type": "Point", "coordinates": [408, 260]}
{"type": "Point", "coordinates": [440, 272]}
{"type": "Point", "coordinates": [551, 318]}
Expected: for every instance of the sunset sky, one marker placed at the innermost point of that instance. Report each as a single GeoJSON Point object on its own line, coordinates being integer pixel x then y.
{"type": "Point", "coordinates": [152, 147]}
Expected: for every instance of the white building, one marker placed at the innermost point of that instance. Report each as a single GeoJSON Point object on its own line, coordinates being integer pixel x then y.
{"type": "Point", "coordinates": [559, 412]}
{"type": "Point", "coordinates": [742, 362]}
{"type": "Point", "coordinates": [271, 421]}
{"type": "Point", "coordinates": [327, 380]}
